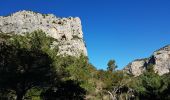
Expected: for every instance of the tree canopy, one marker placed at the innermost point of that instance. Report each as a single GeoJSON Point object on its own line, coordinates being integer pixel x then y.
{"type": "Point", "coordinates": [31, 69]}
{"type": "Point", "coordinates": [22, 69]}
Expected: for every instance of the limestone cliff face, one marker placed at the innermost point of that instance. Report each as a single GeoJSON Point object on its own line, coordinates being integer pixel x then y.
{"type": "Point", "coordinates": [160, 60]}
{"type": "Point", "coordinates": [67, 31]}
{"type": "Point", "coordinates": [136, 67]}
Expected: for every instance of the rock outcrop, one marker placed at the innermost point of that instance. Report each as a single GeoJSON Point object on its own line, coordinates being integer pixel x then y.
{"type": "Point", "coordinates": [136, 67]}
{"type": "Point", "coordinates": [160, 61]}
{"type": "Point", "coordinates": [67, 31]}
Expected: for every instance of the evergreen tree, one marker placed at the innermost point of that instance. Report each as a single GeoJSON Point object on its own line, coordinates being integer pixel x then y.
{"type": "Point", "coordinates": [111, 65]}
{"type": "Point", "coordinates": [22, 69]}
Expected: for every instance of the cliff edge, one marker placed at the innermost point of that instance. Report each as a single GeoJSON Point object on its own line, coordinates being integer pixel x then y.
{"type": "Point", "coordinates": [67, 31]}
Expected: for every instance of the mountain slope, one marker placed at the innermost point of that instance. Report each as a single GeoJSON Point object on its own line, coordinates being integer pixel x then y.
{"type": "Point", "coordinates": [67, 31]}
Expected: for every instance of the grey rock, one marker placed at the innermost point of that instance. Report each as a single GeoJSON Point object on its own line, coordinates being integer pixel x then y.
{"type": "Point", "coordinates": [160, 61]}
{"type": "Point", "coordinates": [67, 31]}
{"type": "Point", "coordinates": [136, 67]}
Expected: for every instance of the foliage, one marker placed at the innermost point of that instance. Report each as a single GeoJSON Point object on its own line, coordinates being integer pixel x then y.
{"type": "Point", "coordinates": [66, 90]}
{"type": "Point", "coordinates": [67, 68]}
{"type": "Point", "coordinates": [36, 40]}
{"type": "Point", "coordinates": [77, 69]}
{"type": "Point", "coordinates": [33, 94]}
{"type": "Point", "coordinates": [166, 88]}
{"type": "Point", "coordinates": [111, 65]}
{"type": "Point", "coordinates": [150, 85]}
{"type": "Point", "coordinates": [31, 67]}
{"type": "Point", "coordinates": [24, 69]}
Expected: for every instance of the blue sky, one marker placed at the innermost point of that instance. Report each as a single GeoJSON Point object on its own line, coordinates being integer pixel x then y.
{"type": "Point", "coordinates": [123, 30]}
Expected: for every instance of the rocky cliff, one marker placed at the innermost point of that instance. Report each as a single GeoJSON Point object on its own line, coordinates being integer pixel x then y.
{"type": "Point", "coordinates": [160, 60]}
{"type": "Point", "coordinates": [67, 31]}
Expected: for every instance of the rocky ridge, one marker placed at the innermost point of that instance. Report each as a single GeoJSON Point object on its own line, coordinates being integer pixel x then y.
{"type": "Point", "coordinates": [160, 60]}
{"type": "Point", "coordinates": [67, 31]}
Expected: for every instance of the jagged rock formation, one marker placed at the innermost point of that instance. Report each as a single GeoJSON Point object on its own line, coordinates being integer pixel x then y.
{"type": "Point", "coordinates": [67, 31]}
{"type": "Point", "coordinates": [136, 67]}
{"type": "Point", "coordinates": [160, 60]}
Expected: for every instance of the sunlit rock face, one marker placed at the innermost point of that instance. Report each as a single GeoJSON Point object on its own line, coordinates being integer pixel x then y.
{"type": "Point", "coordinates": [160, 61]}
{"type": "Point", "coordinates": [67, 31]}
{"type": "Point", "coordinates": [136, 67]}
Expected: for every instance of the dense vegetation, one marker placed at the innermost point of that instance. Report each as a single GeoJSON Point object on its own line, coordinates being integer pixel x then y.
{"type": "Point", "coordinates": [31, 69]}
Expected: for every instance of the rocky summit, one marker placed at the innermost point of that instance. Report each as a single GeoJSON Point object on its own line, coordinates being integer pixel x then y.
{"type": "Point", "coordinates": [160, 60]}
{"type": "Point", "coordinates": [67, 31]}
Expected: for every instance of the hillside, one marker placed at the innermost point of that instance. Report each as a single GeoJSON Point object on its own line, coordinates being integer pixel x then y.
{"type": "Point", "coordinates": [44, 57]}
{"type": "Point", "coordinates": [67, 31]}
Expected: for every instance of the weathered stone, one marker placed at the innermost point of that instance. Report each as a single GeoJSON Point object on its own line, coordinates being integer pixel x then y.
{"type": "Point", "coordinates": [160, 61]}
{"type": "Point", "coordinates": [136, 67]}
{"type": "Point", "coordinates": [67, 31]}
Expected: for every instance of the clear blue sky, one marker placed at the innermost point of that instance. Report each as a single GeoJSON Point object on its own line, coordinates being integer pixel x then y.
{"type": "Point", "coordinates": [123, 30]}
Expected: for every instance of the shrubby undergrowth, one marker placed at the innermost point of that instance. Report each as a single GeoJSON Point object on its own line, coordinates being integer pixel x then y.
{"type": "Point", "coordinates": [31, 69]}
